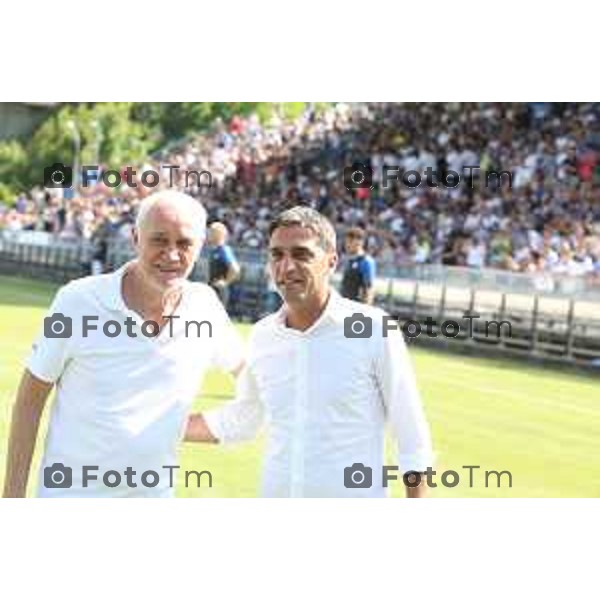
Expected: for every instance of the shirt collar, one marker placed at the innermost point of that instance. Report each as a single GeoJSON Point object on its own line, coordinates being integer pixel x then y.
{"type": "Point", "coordinates": [331, 315]}
{"type": "Point", "coordinates": [114, 296]}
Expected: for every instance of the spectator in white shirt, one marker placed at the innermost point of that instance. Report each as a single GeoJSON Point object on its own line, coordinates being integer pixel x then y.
{"type": "Point", "coordinates": [325, 391]}
{"type": "Point", "coordinates": [476, 254]}
{"type": "Point", "coordinates": [122, 401]}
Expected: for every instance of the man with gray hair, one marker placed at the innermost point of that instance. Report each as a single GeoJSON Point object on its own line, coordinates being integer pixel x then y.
{"type": "Point", "coordinates": [126, 352]}
{"type": "Point", "coordinates": [326, 377]}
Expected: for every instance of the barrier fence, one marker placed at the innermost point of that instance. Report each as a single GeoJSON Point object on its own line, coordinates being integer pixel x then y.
{"type": "Point", "coordinates": [550, 317]}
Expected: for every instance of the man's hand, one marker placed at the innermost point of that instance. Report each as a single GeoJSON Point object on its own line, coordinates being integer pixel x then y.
{"type": "Point", "coordinates": [197, 430]}
{"type": "Point", "coordinates": [367, 295]}
{"type": "Point", "coordinates": [419, 491]}
{"type": "Point", "coordinates": [27, 411]}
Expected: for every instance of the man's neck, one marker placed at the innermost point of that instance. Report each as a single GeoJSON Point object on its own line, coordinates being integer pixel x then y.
{"type": "Point", "coordinates": [148, 300]}
{"type": "Point", "coordinates": [304, 316]}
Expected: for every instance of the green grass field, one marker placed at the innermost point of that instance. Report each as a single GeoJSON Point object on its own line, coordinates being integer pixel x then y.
{"type": "Point", "coordinates": [541, 424]}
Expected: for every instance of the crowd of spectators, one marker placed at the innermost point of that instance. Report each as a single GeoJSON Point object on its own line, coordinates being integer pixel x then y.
{"type": "Point", "coordinates": [546, 217]}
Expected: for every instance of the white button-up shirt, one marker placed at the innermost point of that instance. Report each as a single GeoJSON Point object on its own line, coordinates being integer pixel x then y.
{"type": "Point", "coordinates": [123, 401]}
{"type": "Point", "coordinates": [326, 400]}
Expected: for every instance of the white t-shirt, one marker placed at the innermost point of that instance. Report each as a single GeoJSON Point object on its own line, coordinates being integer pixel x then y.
{"type": "Point", "coordinates": [123, 401]}
{"type": "Point", "coordinates": [476, 255]}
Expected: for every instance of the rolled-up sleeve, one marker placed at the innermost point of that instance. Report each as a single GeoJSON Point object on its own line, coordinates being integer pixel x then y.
{"type": "Point", "coordinates": [240, 419]}
{"type": "Point", "coordinates": [50, 355]}
{"type": "Point", "coordinates": [404, 410]}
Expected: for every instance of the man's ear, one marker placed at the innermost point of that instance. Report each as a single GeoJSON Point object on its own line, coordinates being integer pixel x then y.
{"type": "Point", "coordinates": [135, 237]}
{"type": "Point", "coordinates": [333, 262]}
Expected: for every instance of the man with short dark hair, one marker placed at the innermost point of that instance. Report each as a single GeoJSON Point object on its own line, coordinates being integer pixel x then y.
{"type": "Point", "coordinates": [326, 394]}
{"type": "Point", "coordinates": [359, 270]}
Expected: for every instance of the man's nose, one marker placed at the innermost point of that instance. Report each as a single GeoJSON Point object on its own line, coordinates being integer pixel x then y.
{"type": "Point", "coordinates": [287, 264]}
{"type": "Point", "coordinates": [173, 254]}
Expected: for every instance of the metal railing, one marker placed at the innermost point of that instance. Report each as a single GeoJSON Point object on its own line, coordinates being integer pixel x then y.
{"type": "Point", "coordinates": [42, 256]}
{"type": "Point", "coordinates": [543, 283]}
{"type": "Point", "coordinates": [544, 327]}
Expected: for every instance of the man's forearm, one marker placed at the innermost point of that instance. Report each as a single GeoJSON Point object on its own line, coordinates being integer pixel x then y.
{"type": "Point", "coordinates": [233, 274]}
{"type": "Point", "coordinates": [23, 434]}
{"type": "Point", "coordinates": [26, 415]}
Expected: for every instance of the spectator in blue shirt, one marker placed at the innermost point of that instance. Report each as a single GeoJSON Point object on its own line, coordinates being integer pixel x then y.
{"type": "Point", "coordinates": [223, 268]}
{"type": "Point", "coordinates": [359, 268]}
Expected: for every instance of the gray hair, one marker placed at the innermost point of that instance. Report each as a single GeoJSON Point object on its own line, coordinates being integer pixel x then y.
{"type": "Point", "coordinates": [182, 202]}
{"type": "Point", "coordinates": [305, 216]}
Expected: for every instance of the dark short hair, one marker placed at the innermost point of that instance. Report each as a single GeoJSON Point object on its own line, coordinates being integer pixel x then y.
{"type": "Point", "coordinates": [356, 233]}
{"type": "Point", "coordinates": [305, 216]}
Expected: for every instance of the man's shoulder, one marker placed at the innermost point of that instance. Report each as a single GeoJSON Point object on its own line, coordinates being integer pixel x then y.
{"type": "Point", "coordinates": [263, 330]}
{"type": "Point", "coordinates": [200, 291]}
{"type": "Point", "coordinates": [265, 324]}
{"type": "Point", "coordinates": [228, 253]}
{"type": "Point", "coordinates": [347, 307]}
{"type": "Point", "coordinates": [204, 299]}
{"type": "Point", "coordinates": [352, 309]}
{"type": "Point", "coordinates": [382, 326]}
{"type": "Point", "coordinates": [360, 260]}
{"type": "Point", "coordinates": [86, 287]}
{"type": "Point", "coordinates": [367, 261]}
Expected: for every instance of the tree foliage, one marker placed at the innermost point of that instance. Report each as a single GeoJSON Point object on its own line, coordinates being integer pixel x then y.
{"type": "Point", "coordinates": [116, 133]}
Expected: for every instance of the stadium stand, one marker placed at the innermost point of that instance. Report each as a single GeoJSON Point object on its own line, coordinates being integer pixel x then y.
{"type": "Point", "coordinates": [548, 220]}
